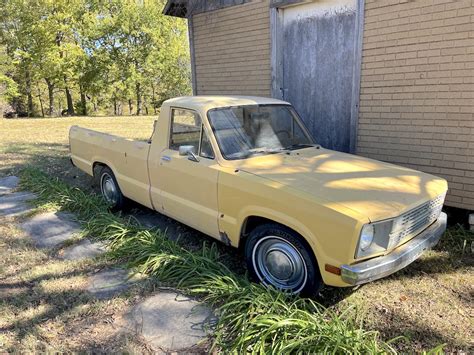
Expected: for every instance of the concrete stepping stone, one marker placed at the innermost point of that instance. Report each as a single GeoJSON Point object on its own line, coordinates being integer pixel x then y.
{"type": "Point", "coordinates": [85, 249]}
{"type": "Point", "coordinates": [110, 282]}
{"type": "Point", "coordinates": [16, 204]}
{"type": "Point", "coordinates": [8, 184]}
{"type": "Point", "coordinates": [170, 321]}
{"type": "Point", "coordinates": [49, 230]}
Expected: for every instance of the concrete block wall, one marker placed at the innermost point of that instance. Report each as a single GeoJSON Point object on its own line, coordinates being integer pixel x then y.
{"type": "Point", "coordinates": [417, 89]}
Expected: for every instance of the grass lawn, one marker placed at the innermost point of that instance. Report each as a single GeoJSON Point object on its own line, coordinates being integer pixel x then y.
{"type": "Point", "coordinates": [43, 302]}
{"type": "Point", "coordinates": [430, 302]}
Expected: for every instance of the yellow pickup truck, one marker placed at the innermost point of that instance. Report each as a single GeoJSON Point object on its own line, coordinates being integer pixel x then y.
{"type": "Point", "coordinates": [245, 171]}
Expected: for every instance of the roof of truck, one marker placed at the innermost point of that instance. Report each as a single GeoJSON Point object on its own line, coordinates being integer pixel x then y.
{"type": "Point", "coordinates": [208, 102]}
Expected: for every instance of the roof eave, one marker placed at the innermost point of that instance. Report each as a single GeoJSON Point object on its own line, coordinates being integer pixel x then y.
{"type": "Point", "coordinates": [176, 8]}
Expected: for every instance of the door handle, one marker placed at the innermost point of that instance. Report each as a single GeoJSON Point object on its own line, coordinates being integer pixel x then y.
{"type": "Point", "coordinates": [166, 158]}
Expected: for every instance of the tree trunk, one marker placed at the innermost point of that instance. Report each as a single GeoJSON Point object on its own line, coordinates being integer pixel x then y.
{"type": "Point", "coordinates": [40, 101]}
{"type": "Point", "coordinates": [28, 94]}
{"type": "Point", "coordinates": [30, 105]}
{"type": "Point", "coordinates": [50, 97]}
{"type": "Point", "coordinates": [139, 99]}
{"type": "Point", "coordinates": [115, 107]}
{"type": "Point", "coordinates": [153, 102]}
{"type": "Point", "coordinates": [70, 105]}
{"type": "Point", "coordinates": [83, 101]}
{"type": "Point", "coordinates": [130, 107]}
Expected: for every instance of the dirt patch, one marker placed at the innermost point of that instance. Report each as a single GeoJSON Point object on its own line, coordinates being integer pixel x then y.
{"type": "Point", "coordinates": [45, 305]}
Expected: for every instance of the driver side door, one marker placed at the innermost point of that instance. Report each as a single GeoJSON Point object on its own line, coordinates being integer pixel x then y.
{"type": "Point", "coordinates": [188, 186]}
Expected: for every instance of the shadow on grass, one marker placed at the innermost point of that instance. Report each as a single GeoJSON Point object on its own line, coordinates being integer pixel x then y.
{"type": "Point", "coordinates": [63, 306]}
{"type": "Point", "coordinates": [452, 255]}
{"type": "Point", "coordinates": [418, 335]}
{"type": "Point", "coordinates": [34, 306]}
{"type": "Point", "coordinates": [445, 260]}
{"type": "Point", "coordinates": [52, 159]}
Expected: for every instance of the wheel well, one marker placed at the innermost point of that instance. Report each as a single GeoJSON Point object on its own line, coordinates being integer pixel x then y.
{"type": "Point", "coordinates": [95, 171]}
{"type": "Point", "coordinates": [96, 166]}
{"type": "Point", "coordinates": [253, 222]}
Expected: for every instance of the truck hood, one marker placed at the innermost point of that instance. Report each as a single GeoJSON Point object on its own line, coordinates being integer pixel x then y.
{"type": "Point", "coordinates": [371, 188]}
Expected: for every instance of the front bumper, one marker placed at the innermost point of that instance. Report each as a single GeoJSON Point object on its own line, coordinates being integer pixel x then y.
{"type": "Point", "coordinates": [404, 255]}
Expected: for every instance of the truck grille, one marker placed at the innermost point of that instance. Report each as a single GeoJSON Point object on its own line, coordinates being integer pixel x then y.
{"type": "Point", "coordinates": [414, 221]}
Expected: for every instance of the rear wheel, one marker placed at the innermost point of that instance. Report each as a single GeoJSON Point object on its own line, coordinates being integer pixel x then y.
{"type": "Point", "coordinates": [110, 189]}
{"type": "Point", "coordinates": [276, 256]}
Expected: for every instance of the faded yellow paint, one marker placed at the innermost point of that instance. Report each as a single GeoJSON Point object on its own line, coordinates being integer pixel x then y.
{"type": "Point", "coordinates": [323, 195]}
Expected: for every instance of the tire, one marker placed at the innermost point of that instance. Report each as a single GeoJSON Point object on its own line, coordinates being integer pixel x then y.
{"type": "Point", "coordinates": [110, 189]}
{"type": "Point", "coordinates": [277, 256]}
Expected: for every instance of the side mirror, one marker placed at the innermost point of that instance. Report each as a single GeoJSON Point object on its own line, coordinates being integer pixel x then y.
{"type": "Point", "coordinates": [186, 149]}
{"type": "Point", "coordinates": [189, 151]}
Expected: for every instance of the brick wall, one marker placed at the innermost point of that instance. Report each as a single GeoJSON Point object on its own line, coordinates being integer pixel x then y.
{"type": "Point", "coordinates": [417, 89]}
{"type": "Point", "coordinates": [232, 50]}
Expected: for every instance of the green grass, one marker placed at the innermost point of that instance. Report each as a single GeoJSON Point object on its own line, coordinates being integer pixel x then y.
{"type": "Point", "coordinates": [458, 240]}
{"type": "Point", "coordinates": [251, 318]}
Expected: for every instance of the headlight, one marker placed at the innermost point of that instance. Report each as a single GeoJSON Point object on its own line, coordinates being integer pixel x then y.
{"type": "Point", "coordinates": [366, 237]}
{"type": "Point", "coordinates": [374, 238]}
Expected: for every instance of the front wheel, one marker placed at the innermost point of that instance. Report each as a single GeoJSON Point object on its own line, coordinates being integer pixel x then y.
{"type": "Point", "coordinates": [110, 189]}
{"type": "Point", "coordinates": [276, 256]}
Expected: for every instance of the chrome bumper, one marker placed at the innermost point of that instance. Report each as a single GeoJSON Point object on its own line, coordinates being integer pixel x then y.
{"type": "Point", "coordinates": [404, 255]}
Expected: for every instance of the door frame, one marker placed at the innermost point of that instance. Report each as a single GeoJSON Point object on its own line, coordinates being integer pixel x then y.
{"type": "Point", "coordinates": [276, 62]}
{"type": "Point", "coordinates": [167, 156]}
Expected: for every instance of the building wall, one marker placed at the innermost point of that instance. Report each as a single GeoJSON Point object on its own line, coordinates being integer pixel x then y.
{"type": "Point", "coordinates": [232, 50]}
{"type": "Point", "coordinates": [417, 89]}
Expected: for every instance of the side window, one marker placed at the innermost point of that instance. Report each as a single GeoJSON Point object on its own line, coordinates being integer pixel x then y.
{"type": "Point", "coordinates": [185, 129]}
{"type": "Point", "coordinates": [206, 147]}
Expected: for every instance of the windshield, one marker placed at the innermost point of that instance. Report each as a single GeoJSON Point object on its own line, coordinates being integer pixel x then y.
{"type": "Point", "coordinates": [244, 131]}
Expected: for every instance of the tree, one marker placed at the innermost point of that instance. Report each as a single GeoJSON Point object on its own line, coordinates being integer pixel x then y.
{"type": "Point", "coordinates": [17, 33]}
{"type": "Point", "coordinates": [92, 52]}
{"type": "Point", "coordinates": [8, 86]}
{"type": "Point", "coordinates": [145, 45]}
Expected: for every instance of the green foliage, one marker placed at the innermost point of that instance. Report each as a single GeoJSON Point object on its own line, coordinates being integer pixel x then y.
{"type": "Point", "coordinates": [8, 86]}
{"type": "Point", "coordinates": [252, 318]}
{"type": "Point", "coordinates": [103, 54]}
{"type": "Point", "coordinates": [458, 240]}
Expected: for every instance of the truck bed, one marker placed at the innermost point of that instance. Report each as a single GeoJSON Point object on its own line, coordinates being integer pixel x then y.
{"type": "Point", "coordinates": [126, 157]}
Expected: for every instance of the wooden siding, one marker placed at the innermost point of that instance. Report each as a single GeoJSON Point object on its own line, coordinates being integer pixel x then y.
{"type": "Point", "coordinates": [417, 89]}
{"type": "Point", "coordinates": [317, 54]}
{"type": "Point", "coordinates": [232, 50]}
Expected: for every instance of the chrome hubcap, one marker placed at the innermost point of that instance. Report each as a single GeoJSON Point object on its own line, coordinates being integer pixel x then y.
{"type": "Point", "coordinates": [278, 263]}
{"type": "Point", "coordinates": [109, 190]}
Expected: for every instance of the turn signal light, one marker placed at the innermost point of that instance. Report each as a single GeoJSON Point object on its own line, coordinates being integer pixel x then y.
{"type": "Point", "coordinates": [332, 269]}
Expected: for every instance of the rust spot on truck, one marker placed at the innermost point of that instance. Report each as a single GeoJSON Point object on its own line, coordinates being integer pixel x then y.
{"type": "Point", "coordinates": [224, 238]}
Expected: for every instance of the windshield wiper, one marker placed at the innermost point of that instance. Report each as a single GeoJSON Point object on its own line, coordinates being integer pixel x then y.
{"type": "Point", "coordinates": [300, 146]}
{"type": "Point", "coordinates": [266, 150]}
